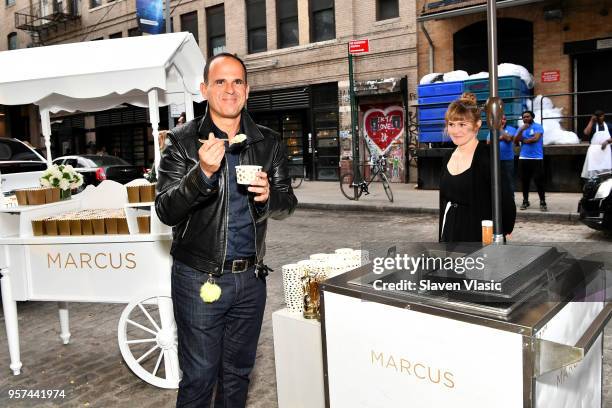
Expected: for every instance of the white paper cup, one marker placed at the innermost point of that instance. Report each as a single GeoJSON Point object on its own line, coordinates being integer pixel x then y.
{"type": "Point", "coordinates": [292, 285]}
{"type": "Point", "coordinates": [246, 174]}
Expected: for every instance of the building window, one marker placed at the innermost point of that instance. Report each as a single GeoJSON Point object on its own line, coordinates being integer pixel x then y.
{"type": "Point", "coordinates": [116, 35]}
{"type": "Point", "coordinates": [10, 2]}
{"type": "Point", "coordinates": [322, 21]}
{"type": "Point", "coordinates": [215, 23]}
{"type": "Point", "coordinates": [12, 41]}
{"type": "Point", "coordinates": [386, 9]}
{"type": "Point", "coordinates": [95, 3]}
{"type": "Point", "coordinates": [189, 23]}
{"type": "Point", "coordinates": [256, 25]}
{"type": "Point", "coordinates": [287, 12]}
{"type": "Point", "coordinates": [134, 32]}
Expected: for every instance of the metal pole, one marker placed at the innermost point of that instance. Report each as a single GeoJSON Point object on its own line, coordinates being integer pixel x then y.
{"type": "Point", "coordinates": [354, 127]}
{"type": "Point", "coordinates": [495, 110]}
{"type": "Point", "coordinates": [169, 30]}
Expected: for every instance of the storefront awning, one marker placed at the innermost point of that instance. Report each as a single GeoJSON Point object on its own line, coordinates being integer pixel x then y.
{"type": "Point", "coordinates": [438, 10]}
{"type": "Point", "coordinates": [378, 86]}
{"type": "Point", "coordinates": [60, 77]}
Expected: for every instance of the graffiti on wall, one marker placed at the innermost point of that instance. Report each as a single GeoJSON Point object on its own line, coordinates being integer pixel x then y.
{"type": "Point", "coordinates": [383, 130]}
{"type": "Point", "coordinates": [382, 126]}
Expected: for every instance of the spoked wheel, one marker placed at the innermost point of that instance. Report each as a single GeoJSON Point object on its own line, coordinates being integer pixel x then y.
{"type": "Point", "coordinates": [387, 187]}
{"type": "Point", "coordinates": [147, 337]}
{"type": "Point", "coordinates": [296, 181]}
{"type": "Point", "coordinates": [346, 186]}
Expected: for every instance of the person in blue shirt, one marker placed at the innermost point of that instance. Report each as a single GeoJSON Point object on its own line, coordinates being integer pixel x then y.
{"type": "Point", "coordinates": [506, 152]}
{"type": "Point", "coordinates": [531, 159]}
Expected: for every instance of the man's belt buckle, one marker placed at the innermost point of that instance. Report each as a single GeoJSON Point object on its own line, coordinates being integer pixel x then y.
{"type": "Point", "coordinates": [239, 265]}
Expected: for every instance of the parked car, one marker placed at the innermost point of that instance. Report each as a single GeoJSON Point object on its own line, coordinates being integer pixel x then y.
{"type": "Point", "coordinates": [96, 168]}
{"type": "Point", "coordinates": [20, 165]}
{"type": "Point", "coordinates": [595, 206]}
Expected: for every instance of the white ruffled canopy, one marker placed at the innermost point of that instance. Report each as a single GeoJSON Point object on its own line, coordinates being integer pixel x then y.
{"type": "Point", "coordinates": [146, 71]}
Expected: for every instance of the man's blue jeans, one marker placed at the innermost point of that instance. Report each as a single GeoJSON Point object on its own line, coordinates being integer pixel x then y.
{"type": "Point", "coordinates": [217, 341]}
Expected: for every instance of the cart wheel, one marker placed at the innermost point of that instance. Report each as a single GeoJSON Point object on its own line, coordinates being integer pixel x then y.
{"type": "Point", "coordinates": [147, 336]}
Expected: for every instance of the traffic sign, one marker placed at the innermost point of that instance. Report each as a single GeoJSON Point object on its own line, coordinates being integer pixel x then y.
{"type": "Point", "coordinates": [359, 46]}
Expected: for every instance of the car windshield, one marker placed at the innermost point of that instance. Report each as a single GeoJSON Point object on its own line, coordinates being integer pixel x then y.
{"type": "Point", "coordinates": [107, 161]}
{"type": "Point", "coordinates": [15, 151]}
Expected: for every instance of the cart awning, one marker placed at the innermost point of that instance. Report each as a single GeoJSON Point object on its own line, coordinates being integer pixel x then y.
{"type": "Point", "coordinates": [146, 71]}
{"type": "Point", "coordinates": [98, 75]}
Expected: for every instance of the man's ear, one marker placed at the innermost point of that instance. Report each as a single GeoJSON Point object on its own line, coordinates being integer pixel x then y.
{"type": "Point", "coordinates": [203, 89]}
{"type": "Point", "coordinates": [246, 92]}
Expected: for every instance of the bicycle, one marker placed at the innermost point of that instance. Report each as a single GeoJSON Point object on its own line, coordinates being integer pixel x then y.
{"type": "Point", "coordinates": [296, 178]}
{"type": "Point", "coordinates": [379, 168]}
{"type": "Point", "coordinates": [296, 181]}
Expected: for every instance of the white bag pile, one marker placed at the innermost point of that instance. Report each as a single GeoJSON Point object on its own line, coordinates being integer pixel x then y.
{"type": "Point", "coordinates": [553, 132]}
{"type": "Point", "coordinates": [504, 69]}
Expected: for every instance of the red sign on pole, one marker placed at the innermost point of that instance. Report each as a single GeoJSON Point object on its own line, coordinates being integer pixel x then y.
{"type": "Point", "coordinates": [359, 46]}
{"type": "Point", "coordinates": [551, 76]}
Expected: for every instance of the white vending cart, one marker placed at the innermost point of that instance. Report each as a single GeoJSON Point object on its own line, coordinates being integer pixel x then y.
{"type": "Point", "coordinates": [129, 268]}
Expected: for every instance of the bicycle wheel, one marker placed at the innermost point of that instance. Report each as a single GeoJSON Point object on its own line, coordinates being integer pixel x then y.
{"type": "Point", "coordinates": [387, 186]}
{"type": "Point", "coordinates": [346, 181]}
{"type": "Point", "coordinates": [296, 181]}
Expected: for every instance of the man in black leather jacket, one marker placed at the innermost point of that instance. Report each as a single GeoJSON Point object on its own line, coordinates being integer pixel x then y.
{"type": "Point", "coordinates": [219, 230]}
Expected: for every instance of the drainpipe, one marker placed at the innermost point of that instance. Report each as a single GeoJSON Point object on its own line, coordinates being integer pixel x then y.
{"type": "Point", "coordinates": [431, 47]}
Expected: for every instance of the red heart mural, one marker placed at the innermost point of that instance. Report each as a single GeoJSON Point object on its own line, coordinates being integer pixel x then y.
{"type": "Point", "coordinates": [383, 127]}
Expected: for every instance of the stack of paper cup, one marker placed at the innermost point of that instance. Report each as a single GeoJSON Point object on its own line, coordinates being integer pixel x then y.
{"type": "Point", "coordinates": [344, 251]}
{"type": "Point", "coordinates": [309, 266]}
{"type": "Point", "coordinates": [336, 266]}
{"type": "Point", "coordinates": [360, 256]}
{"type": "Point", "coordinates": [321, 257]}
{"type": "Point", "coordinates": [292, 285]}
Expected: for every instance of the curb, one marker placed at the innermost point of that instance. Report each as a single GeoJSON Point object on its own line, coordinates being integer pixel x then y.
{"type": "Point", "coordinates": [570, 218]}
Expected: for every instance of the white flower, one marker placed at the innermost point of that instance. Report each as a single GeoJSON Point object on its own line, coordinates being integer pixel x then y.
{"type": "Point", "coordinates": [64, 184]}
{"type": "Point", "coordinates": [45, 182]}
{"type": "Point", "coordinates": [77, 181]}
{"type": "Point", "coordinates": [56, 173]}
{"type": "Point", "coordinates": [68, 168]}
{"type": "Point", "coordinates": [55, 181]}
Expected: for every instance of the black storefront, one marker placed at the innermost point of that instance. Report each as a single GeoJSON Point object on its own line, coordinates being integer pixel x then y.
{"type": "Point", "coordinates": [307, 119]}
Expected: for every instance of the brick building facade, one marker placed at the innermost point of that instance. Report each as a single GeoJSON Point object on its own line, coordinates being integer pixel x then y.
{"type": "Point", "coordinates": [557, 26]}
{"type": "Point", "coordinates": [566, 45]}
{"type": "Point", "coordinates": [295, 51]}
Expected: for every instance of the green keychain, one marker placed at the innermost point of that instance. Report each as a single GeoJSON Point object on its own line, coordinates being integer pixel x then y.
{"type": "Point", "coordinates": [210, 291]}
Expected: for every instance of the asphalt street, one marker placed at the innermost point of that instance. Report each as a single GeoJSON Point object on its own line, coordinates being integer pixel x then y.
{"type": "Point", "coordinates": [91, 372]}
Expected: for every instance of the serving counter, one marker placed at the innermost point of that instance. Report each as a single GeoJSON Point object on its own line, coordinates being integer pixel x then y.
{"type": "Point", "coordinates": [533, 342]}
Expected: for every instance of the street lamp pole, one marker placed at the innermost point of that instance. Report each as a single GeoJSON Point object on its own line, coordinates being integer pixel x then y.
{"type": "Point", "coordinates": [495, 111]}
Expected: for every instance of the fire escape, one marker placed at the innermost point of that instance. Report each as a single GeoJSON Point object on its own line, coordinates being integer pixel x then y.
{"type": "Point", "coordinates": [46, 16]}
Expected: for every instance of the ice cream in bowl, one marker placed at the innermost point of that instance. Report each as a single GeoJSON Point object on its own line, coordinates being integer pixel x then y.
{"type": "Point", "coordinates": [246, 174]}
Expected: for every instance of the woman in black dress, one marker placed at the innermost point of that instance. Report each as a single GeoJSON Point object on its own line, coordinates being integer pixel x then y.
{"type": "Point", "coordinates": [465, 183]}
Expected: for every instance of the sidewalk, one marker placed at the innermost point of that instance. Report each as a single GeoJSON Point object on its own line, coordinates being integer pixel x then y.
{"type": "Point", "coordinates": [324, 195]}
